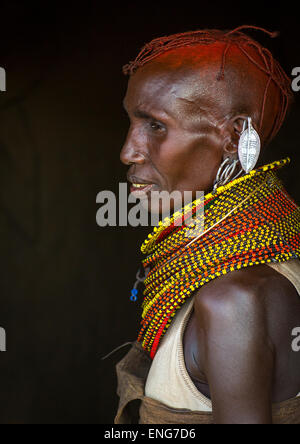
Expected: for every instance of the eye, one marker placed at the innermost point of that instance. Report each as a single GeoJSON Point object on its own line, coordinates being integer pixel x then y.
{"type": "Point", "coordinates": [156, 126]}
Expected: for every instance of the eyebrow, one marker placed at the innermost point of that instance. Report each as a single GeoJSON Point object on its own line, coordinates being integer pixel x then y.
{"type": "Point", "coordinates": [143, 115]}
{"type": "Point", "coordinates": [157, 115]}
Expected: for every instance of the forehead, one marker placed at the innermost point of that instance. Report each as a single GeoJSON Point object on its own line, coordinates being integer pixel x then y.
{"type": "Point", "coordinates": [162, 86]}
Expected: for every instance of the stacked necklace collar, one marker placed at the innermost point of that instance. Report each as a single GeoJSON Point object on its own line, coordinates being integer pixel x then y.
{"type": "Point", "coordinates": [247, 222]}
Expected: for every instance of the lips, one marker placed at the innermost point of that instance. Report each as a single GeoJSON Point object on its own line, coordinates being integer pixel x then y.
{"type": "Point", "coordinates": [140, 187]}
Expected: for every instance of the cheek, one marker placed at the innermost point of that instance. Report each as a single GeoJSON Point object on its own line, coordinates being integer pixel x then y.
{"type": "Point", "coordinates": [202, 170]}
{"type": "Point", "coordinates": [189, 162]}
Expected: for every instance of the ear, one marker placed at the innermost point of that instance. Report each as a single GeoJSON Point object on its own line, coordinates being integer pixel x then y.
{"type": "Point", "coordinates": [234, 130]}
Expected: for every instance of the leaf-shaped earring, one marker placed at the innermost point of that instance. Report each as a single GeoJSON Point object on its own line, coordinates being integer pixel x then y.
{"type": "Point", "coordinates": [249, 147]}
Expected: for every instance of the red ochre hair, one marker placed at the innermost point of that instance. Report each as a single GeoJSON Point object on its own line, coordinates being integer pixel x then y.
{"type": "Point", "coordinates": [267, 64]}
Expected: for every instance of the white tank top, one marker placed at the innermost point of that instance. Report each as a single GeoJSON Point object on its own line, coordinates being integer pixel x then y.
{"type": "Point", "coordinates": [168, 380]}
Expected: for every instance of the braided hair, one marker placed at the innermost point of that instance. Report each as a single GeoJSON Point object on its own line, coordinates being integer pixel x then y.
{"type": "Point", "coordinates": [264, 61]}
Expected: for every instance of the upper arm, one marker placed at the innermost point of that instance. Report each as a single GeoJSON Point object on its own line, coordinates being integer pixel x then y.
{"type": "Point", "coordinates": [238, 357]}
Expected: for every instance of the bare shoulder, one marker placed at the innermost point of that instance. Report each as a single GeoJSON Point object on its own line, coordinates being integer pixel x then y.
{"type": "Point", "coordinates": [240, 332]}
{"type": "Point", "coordinates": [256, 296]}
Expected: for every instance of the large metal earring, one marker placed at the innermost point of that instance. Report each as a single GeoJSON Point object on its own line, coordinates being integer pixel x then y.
{"type": "Point", "coordinates": [226, 172]}
{"type": "Point", "coordinates": [249, 147]}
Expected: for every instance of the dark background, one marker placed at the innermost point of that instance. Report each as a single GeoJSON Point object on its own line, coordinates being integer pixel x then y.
{"type": "Point", "coordinates": [64, 282]}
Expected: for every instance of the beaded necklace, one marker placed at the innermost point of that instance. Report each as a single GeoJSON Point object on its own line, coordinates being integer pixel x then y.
{"type": "Point", "coordinates": [249, 221]}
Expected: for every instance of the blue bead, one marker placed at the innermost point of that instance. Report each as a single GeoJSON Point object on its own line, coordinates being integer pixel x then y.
{"type": "Point", "coordinates": [134, 293]}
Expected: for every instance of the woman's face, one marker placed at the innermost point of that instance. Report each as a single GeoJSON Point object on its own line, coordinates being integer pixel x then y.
{"type": "Point", "coordinates": [175, 140]}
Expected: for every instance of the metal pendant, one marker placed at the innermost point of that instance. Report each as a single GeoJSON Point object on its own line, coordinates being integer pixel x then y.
{"type": "Point", "coordinates": [249, 147]}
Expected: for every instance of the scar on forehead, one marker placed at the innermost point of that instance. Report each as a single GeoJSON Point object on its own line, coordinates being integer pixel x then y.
{"type": "Point", "coordinates": [197, 107]}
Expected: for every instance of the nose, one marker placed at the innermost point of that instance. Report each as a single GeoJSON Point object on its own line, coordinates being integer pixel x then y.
{"type": "Point", "coordinates": [131, 152]}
